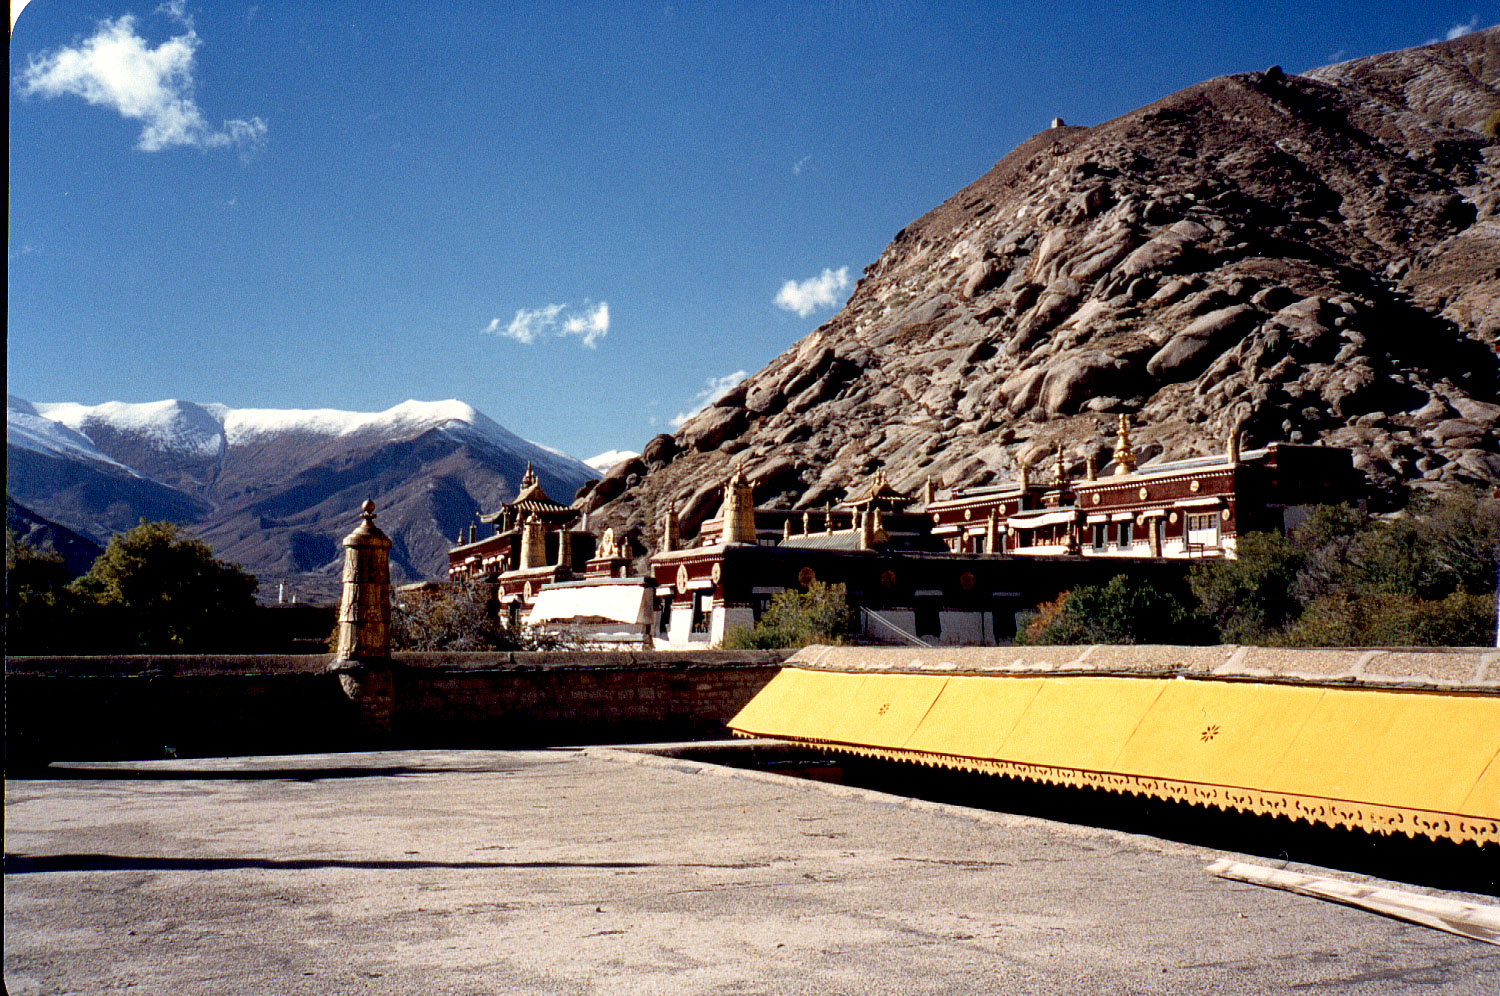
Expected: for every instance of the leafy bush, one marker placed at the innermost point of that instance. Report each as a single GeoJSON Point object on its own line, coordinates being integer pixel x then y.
{"type": "Point", "coordinates": [1345, 578]}
{"type": "Point", "coordinates": [1250, 597]}
{"type": "Point", "coordinates": [1126, 610]}
{"type": "Point", "coordinates": [795, 619]}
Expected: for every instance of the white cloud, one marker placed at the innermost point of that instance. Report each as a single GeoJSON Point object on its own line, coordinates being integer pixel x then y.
{"type": "Point", "coordinates": [816, 292]}
{"type": "Point", "coordinates": [800, 165]}
{"type": "Point", "coordinates": [1459, 30]}
{"type": "Point", "coordinates": [118, 69]}
{"type": "Point", "coordinates": [590, 323]}
{"type": "Point", "coordinates": [713, 389]}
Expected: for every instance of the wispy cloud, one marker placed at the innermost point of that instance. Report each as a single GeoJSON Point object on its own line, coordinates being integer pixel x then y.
{"type": "Point", "coordinates": [592, 325]}
{"type": "Point", "coordinates": [590, 322]}
{"type": "Point", "coordinates": [800, 165]}
{"type": "Point", "coordinates": [816, 292]}
{"type": "Point", "coordinates": [1459, 30]}
{"type": "Point", "coordinates": [713, 389]}
{"type": "Point", "coordinates": [118, 69]}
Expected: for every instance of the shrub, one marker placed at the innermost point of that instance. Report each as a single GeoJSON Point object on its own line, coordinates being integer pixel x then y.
{"type": "Point", "coordinates": [1345, 578]}
{"type": "Point", "coordinates": [796, 619]}
{"type": "Point", "coordinates": [1126, 610]}
{"type": "Point", "coordinates": [1249, 597]}
{"type": "Point", "coordinates": [1381, 619]}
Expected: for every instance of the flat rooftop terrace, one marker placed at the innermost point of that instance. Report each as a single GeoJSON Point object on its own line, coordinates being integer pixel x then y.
{"type": "Point", "coordinates": [606, 871]}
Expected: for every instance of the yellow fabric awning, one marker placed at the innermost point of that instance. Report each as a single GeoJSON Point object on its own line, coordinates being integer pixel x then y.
{"type": "Point", "coordinates": [1417, 762]}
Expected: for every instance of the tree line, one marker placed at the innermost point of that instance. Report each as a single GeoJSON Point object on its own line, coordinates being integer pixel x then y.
{"type": "Point", "coordinates": [153, 590]}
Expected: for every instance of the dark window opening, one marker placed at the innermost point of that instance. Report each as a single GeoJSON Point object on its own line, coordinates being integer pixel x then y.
{"type": "Point", "coordinates": [929, 623]}
{"type": "Point", "coordinates": [700, 612]}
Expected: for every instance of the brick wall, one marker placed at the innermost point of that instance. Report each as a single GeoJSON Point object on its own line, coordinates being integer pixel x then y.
{"type": "Point", "coordinates": [139, 707]}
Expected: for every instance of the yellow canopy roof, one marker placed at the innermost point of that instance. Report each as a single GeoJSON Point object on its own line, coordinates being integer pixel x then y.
{"type": "Point", "coordinates": [1414, 761]}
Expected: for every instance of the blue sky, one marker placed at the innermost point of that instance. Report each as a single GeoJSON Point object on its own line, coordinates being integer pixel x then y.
{"type": "Point", "coordinates": [578, 218]}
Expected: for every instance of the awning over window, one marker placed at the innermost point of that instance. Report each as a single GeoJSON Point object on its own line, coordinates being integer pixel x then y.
{"type": "Point", "coordinates": [1418, 762]}
{"type": "Point", "coordinates": [1046, 519]}
{"type": "Point", "coordinates": [1199, 503]}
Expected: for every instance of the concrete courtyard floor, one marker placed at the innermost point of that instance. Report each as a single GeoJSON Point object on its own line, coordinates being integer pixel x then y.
{"type": "Point", "coordinates": [571, 872]}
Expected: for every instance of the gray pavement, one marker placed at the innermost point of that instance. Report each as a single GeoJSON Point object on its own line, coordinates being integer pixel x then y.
{"type": "Point", "coordinates": [571, 872]}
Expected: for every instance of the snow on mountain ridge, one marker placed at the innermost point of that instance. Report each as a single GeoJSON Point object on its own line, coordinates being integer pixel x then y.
{"type": "Point", "coordinates": [171, 425]}
{"type": "Point", "coordinates": [206, 430]}
{"type": "Point", "coordinates": [29, 431]}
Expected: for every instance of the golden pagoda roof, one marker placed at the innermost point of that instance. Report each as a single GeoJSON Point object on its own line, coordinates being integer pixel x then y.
{"type": "Point", "coordinates": [878, 490]}
{"type": "Point", "coordinates": [532, 500]}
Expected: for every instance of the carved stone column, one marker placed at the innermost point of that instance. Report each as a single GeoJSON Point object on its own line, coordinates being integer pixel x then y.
{"type": "Point", "coordinates": [363, 658]}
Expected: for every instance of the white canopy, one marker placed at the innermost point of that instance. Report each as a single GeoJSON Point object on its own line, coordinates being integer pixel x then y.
{"type": "Point", "coordinates": [590, 603]}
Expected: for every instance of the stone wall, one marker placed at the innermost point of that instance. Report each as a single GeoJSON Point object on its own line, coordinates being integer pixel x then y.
{"type": "Point", "coordinates": [160, 706]}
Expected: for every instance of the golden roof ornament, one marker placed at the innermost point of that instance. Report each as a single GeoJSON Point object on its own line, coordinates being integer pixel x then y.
{"type": "Point", "coordinates": [1124, 452]}
{"type": "Point", "coordinates": [528, 480]}
{"type": "Point", "coordinates": [1060, 467]}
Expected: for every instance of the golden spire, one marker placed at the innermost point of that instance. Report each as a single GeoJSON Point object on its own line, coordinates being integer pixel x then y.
{"type": "Point", "coordinates": [1060, 468]}
{"type": "Point", "coordinates": [529, 478]}
{"type": "Point", "coordinates": [1124, 453]}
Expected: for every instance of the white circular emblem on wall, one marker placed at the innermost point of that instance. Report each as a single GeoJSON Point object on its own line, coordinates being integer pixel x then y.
{"type": "Point", "coordinates": [1195, 486]}
{"type": "Point", "coordinates": [526, 592]}
{"type": "Point", "coordinates": [714, 575]}
{"type": "Point", "coordinates": [682, 578]}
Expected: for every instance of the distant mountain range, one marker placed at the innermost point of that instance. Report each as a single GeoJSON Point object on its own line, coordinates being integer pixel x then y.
{"type": "Point", "coordinates": [274, 490]}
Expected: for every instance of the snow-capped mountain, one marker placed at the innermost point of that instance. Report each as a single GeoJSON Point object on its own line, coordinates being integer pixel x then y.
{"type": "Point", "coordinates": [275, 489]}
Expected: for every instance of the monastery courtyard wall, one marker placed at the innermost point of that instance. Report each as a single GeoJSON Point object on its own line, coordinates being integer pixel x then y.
{"type": "Point", "coordinates": [59, 708]}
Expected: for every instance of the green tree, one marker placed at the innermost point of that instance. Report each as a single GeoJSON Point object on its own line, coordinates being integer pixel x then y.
{"type": "Point", "coordinates": [1126, 610]}
{"type": "Point", "coordinates": [1343, 577]}
{"type": "Point", "coordinates": [40, 610]}
{"type": "Point", "coordinates": [156, 590]}
{"type": "Point", "coordinates": [1250, 596]}
{"type": "Point", "coordinates": [797, 618]}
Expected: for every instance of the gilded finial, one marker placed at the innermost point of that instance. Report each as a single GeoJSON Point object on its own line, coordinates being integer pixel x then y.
{"type": "Point", "coordinates": [1060, 467]}
{"type": "Point", "coordinates": [367, 510]}
{"type": "Point", "coordinates": [529, 478]}
{"type": "Point", "coordinates": [1124, 452]}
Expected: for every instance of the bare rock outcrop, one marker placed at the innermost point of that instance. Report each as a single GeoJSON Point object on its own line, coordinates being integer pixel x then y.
{"type": "Point", "coordinates": [1315, 257]}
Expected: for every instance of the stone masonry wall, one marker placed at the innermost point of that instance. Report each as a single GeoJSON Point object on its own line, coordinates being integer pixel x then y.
{"type": "Point", "coordinates": [159, 706]}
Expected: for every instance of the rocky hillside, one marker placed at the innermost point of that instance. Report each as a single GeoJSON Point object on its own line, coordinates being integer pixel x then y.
{"type": "Point", "coordinates": [1314, 258]}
